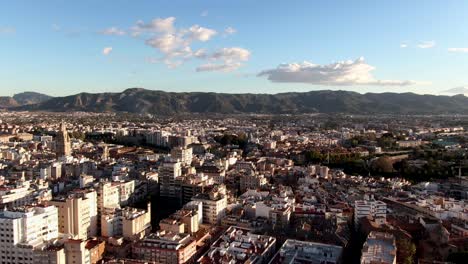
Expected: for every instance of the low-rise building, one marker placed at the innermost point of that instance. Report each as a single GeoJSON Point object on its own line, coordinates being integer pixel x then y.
{"type": "Point", "coordinates": [238, 245]}
{"type": "Point", "coordinates": [379, 248]}
{"type": "Point", "coordinates": [369, 207]}
{"type": "Point", "coordinates": [165, 247]}
{"type": "Point", "coordinates": [296, 251]}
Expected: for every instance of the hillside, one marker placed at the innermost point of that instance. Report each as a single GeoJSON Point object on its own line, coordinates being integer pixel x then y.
{"type": "Point", "coordinates": [137, 100]}
{"type": "Point", "coordinates": [27, 98]}
{"type": "Point", "coordinates": [21, 99]}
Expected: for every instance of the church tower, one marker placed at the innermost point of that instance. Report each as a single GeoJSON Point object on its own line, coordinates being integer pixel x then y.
{"type": "Point", "coordinates": [63, 145]}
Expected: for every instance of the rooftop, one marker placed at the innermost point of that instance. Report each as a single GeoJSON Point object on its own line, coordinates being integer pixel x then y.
{"type": "Point", "coordinates": [296, 251]}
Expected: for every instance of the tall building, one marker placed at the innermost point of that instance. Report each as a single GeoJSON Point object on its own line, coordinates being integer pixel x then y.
{"type": "Point", "coordinates": [214, 204]}
{"type": "Point", "coordinates": [25, 229]}
{"type": "Point", "coordinates": [168, 172]}
{"type": "Point", "coordinates": [184, 155]}
{"type": "Point", "coordinates": [188, 186]}
{"type": "Point", "coordinates": [63, 144]}
{"type": "Point", "coordinates": [77, 214]}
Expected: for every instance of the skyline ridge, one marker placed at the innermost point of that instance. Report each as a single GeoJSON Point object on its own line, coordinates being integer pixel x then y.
{"type": "Point", "coordinates": [447, 92]}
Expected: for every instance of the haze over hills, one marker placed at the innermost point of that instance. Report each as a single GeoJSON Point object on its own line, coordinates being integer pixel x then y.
{"type": "Point", "coordinates": [21, 99]}
{"type": "Point", "coordinates": [457, 90]}
{"type": "Point", "coordinates": [138, 100]}
{"type": "Point", "coordinates": [27, 98]}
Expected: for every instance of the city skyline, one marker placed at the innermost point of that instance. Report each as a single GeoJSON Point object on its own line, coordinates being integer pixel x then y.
{"type": "Point", "coordinates": [61, 48]}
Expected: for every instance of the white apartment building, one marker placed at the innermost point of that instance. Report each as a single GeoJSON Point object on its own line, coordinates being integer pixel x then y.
{"type": "Point", "coordinates": [25, 229]}
{"type": "Point", "coordinates": [168, 172]}
{"type": "Point", "coordinates": [370, 207]}
{"type": "Point", "coordinates": [127, 222]}
{"type": "Point", "coordinates": [108, 196]}
{"type": "Point", "coordinates": [184, 155]}
{"type": "Point", "coordinates": [214, 205]}
{"type": "Point", "coordinates": [18, 195]}
{"type": "Point", "coordinates": [157, 138]}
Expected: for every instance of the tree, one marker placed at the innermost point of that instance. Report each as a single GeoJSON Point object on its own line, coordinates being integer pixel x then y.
{"type": "Point", "coordinates": [386, 141]}
{"type": "Point", "coordinates": [383, 165]}
{"type": "Point", "coordinates": [405, 251]}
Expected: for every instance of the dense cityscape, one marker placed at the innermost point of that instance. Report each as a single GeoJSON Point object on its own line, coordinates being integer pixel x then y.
{"type": "Point", "coordinates": [108, 188]}
{"type": "Point", "coordinates": [233, 132]}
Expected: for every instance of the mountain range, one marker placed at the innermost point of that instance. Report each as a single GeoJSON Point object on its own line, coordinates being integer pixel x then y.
{"type": "Point", "coordinates": [142, 101]}
{"type": "Point", "coordinates": [21, 99]}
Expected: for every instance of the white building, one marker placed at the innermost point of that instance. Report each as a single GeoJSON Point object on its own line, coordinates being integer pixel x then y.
{"type": "Point", "coordinates": [24, 230]}
{"type": "Point", "coordinates": [214, 205]}
{"type": "Point", "coordinates": [370, 207]}
{"type": "Point", "coordinates": [238, 245]}
{"type": "Point", "coordinates": [184, 155]}
{"type": "Point", "coordinates": [168, 172]}
{"type": "Point", "coordinates": [296, 251]}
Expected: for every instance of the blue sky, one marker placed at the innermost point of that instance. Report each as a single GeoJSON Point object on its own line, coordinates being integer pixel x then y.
{"type": "Point", "coordinates": [65, 47]}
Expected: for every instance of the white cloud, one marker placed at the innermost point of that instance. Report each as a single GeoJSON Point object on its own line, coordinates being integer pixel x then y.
{"type": "Point", "coordinates": [426, 44]}
{"type": "Point", "coordinates": [231, 54]}
{"type": "Point", "coordinates": [175, 44]}
{"type": "Point", "coordinates": [7, 30]}
{"type": "Point", "coordinates": [403, 45]}
{"type": "Point", "coordinates": [106, 51]}
{"type": "Point", "coordinates": [162, 25]}
{"type": "Point", "coordinates": [226, 59]}
{"type": "Point", "coordinates": [165, 43]}
{"type": "Point", "coordinates": [200, 33]}
{"type": "Point", "coordinates": [113, 31]}
{"type": "Point", "coordinates": [460, 50]}
{"type": "Point", "coordinates": [204, 13]}
{"type": "Point", "coordinates": [220, 67]}
{"type": "Point", "coordinates": [230, 31]}
{"type": "Point", "coordinates": [341, 73]}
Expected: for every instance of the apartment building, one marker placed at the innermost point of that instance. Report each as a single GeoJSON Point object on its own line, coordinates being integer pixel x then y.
{"type": "Point", "coordinates": [165, 247]}
{"type": "Point", "coordinates": [168, 172]}
{"type": "Point", "coordinates": [24, 230]}
{"type": "Point", "coordinates": [130, 223]}
{"type": "Point", "coordinates": [369, 207]}
{"type": "Point", "coordinates": [182, 154]}
{"type": "Point", "coordinates": [77, 214]}
{"type": "Point", "coordinates": [214, 204]}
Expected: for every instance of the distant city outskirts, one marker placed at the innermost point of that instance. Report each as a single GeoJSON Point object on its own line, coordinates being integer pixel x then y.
{"type": "Point", "coordinates": [112, 187]}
